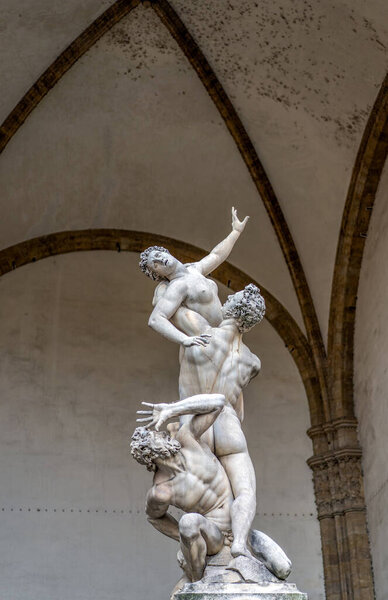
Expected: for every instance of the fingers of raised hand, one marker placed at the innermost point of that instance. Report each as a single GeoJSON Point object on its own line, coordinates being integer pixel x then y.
{"type": "Point", "coordinates": [148, 404]}
{"type": "Point", "coordinates": [148, 422]}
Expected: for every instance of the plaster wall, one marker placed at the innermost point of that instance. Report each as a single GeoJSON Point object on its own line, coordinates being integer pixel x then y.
{"type": "Point", "coordinates": [76, 360]}
{"type": "Point", "coordinates": [371, 383]}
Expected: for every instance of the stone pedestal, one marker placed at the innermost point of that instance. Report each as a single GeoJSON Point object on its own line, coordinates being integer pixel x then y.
{"type": "Point", "coordinates": [240, 591]}
{"type": "Point", "coordinates": [241, 578]}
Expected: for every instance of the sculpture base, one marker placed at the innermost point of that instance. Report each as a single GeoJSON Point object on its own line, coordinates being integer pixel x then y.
{"type": "Point", "coordinates": [240, 578]}
{"type": "Point", "coordinates": [240, 591]}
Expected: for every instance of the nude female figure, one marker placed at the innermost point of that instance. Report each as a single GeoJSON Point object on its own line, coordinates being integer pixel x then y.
{"type": "Point", "coordinates": [188, 286]}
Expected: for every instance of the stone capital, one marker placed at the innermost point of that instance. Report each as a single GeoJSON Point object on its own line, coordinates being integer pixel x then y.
{"type": "Point", "coordinates": [338, 482]}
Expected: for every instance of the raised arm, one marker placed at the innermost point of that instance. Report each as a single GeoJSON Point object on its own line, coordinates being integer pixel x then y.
{"type": "Point", "coordinates": [166, 306]}
{"type": "Point", "coordinates": [221, 252]}
{"type": "Point", "coordinates": [205, 408]}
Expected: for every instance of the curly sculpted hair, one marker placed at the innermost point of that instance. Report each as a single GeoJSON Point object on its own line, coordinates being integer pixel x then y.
{"type": "Point", "coordinates": [145, 449]}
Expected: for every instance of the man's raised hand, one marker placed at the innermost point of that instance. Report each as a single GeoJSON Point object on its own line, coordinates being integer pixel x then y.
{"type": "Point", "coordinates": [159, 414]}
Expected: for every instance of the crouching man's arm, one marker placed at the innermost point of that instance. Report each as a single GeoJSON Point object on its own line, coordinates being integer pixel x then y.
{"type": "Point", "coordinates": [157, 504]}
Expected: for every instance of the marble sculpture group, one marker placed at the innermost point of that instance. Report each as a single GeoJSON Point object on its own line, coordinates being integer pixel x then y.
{"type": "Point", "coordinates": [201, 463]}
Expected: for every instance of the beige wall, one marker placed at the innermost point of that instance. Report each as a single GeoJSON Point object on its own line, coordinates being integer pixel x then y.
{"type": "Point", "coordinates": [76, 360]}
{"type": "Point", "coordinates": [371, 383]}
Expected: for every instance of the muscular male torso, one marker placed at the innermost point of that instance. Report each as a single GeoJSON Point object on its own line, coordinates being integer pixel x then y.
{"type": "Point", "coordinates": [224, 366]}
{"type": "Point", "coordinates": [199, 484]}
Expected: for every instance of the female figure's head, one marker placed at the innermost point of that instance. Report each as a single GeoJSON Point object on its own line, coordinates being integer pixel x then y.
{"type": "Point", "coordinates": [158, 263]}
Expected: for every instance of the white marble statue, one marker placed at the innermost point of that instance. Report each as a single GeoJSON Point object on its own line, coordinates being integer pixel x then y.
{"type": "Point", "coordinates": [214, 359]}
{"type": "Point", "coordinates": [202, 466]}
{"type": "Point", "coordinates": [188, 476]}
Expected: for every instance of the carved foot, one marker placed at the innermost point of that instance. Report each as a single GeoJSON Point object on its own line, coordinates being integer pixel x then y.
{"type": "Point", "coordinates": [238, 549]}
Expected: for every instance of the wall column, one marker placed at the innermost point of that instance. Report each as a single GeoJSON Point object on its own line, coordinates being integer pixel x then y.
{"type": "Point", "coordinates": [339, 495]}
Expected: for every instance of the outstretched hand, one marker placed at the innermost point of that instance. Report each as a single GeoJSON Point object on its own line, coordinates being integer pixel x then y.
{"type": "Point", "coordinates": [159, 414]}
{"type": "Point", "coordinates": [238, 225]}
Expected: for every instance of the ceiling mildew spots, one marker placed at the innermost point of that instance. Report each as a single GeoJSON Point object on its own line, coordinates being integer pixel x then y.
{"type": "Point", "coordinates": [145, 43]}
{"type": "Point", "coordinates": [305, 55]}
{"type": "Point", "coordinates": [302, 76]}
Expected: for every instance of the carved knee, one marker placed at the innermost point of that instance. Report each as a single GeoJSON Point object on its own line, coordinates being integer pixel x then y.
{"type": "Point", "coordinates": [189, 526]}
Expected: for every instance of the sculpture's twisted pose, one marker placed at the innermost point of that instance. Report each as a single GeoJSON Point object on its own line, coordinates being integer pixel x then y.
{"type": "Point", "coordinates": [204, 467]}
{"type": "Point", "coordinates": [213, 359]}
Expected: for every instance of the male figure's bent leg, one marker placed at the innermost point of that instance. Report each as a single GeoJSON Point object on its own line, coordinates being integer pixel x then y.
{"type": "Point", "coordinates": [199, 537]}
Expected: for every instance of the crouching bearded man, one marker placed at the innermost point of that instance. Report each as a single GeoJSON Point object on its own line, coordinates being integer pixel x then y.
{"type": "Point", "coordinates": [188, 475]}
